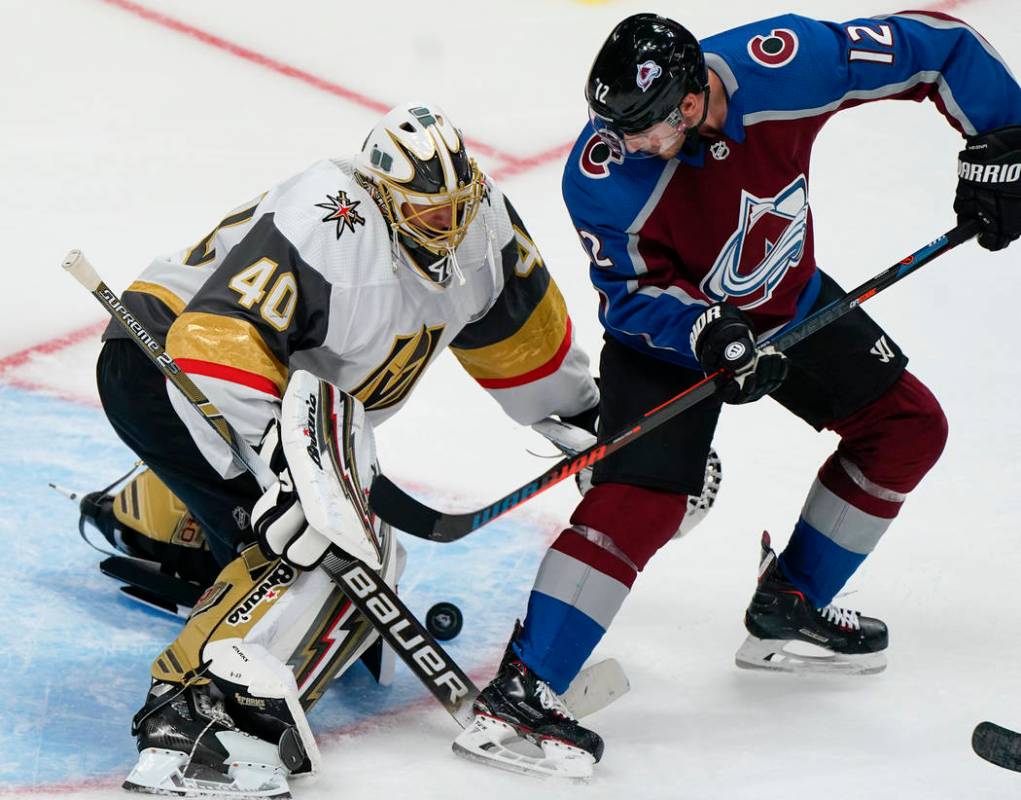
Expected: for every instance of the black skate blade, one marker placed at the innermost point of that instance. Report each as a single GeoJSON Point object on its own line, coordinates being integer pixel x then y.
{"type": "Point", "coordinates": [997, 745]}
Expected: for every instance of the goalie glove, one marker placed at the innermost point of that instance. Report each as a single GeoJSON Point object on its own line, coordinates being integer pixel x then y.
{"type": "Point", "coordinates": [989, 186]}
{"type": "Point", "coordinates": [325, 465]}
{"type": "Point", "coordinates": [278, 518]}
{"type": "Point", "coordinates": [722, 338]}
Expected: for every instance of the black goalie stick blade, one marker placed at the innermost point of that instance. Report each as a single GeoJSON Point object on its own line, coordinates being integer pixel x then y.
{"type": "Point", "coordinates": [999, 746]}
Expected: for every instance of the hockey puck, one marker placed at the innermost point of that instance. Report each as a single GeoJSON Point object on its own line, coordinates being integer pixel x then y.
{"type": "Point", "coordinates": [444, 621]}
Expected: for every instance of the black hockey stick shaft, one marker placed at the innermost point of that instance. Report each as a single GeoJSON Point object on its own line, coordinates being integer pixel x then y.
{"type": "Point", "coordinates": [406, 513]}
{"type": "Point", "coordinates": [367, 592]}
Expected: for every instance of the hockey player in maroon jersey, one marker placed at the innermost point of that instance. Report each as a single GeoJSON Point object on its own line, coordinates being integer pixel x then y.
{"type": "Point", "coordinates": [689, 191]}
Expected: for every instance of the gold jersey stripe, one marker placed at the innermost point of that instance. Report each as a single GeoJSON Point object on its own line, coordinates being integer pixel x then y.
{"type": "Point", "coordinates": [527, 349]}
{"type": "Point", "coordinates": [226, 341]}
{"type": "Point", "coordinates": [161, 293]}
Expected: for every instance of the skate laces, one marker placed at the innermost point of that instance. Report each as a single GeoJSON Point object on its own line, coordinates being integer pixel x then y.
{"type": "Point", "coordinates": [842, 617]}
{"type": "Point", "coordinates": [213, 709]}
{"type": "Point", "coordinates": [550, 701]}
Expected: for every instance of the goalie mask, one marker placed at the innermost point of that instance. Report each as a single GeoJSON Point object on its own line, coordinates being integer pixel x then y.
{"type": "Point", "coordinates": [426, 185]}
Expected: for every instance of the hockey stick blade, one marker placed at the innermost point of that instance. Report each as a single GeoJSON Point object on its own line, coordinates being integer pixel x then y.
{"type": "Point", "coordinates": [595, 687]}
{"type": "Point", "coordinates": [412, 516]}
{"type": "Point", "coordinates": [997, 745]}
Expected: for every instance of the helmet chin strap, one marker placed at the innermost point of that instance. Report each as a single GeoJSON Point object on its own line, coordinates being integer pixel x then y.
{"type": "Point", "coordinates": [456, 267]}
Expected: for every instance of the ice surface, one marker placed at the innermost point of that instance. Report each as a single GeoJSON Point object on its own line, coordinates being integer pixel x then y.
{"type": "Point", "coordinates": [129, 134]}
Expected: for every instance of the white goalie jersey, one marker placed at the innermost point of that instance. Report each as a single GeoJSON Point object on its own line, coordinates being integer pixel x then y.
{"type": "Point", "coordinates": [306, 276]}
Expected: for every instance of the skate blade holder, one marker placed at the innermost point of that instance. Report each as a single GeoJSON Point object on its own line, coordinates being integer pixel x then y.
{"type": "Point", "coordinates": [168, 772]}
{"type": "Point", "coordinates": [795, 656]}
{"type": "Point", "coordinates": [497, 744]}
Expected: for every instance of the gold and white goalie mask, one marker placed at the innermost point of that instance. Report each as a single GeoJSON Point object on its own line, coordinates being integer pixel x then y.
{"type": "Point", "coordinates": [417, 170]}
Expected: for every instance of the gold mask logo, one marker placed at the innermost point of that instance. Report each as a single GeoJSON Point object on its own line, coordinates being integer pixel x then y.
{"type": "Point", "coordinates": [391, 381]}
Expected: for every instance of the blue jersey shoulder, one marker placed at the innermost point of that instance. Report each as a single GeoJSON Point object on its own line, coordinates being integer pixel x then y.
{"type": "Point", "coordinates": [601, 188]}
{"type": "Point", "coordinates": [791, 66]}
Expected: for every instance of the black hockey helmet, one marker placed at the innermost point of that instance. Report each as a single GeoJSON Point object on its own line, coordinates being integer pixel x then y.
{"type": "Point", "coordinates": [642, 72]}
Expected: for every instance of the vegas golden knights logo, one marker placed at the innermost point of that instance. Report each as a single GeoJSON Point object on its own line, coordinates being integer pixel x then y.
{"type": "Point", "coordinates": [391, 381]}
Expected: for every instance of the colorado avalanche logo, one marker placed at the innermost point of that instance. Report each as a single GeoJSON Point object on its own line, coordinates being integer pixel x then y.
{"type": "Point", "coordinates": [598, 153]}
{"type": "Point", "coordinates": [648, 71]}
{"type": "Point", "coordinates": [775, 50]}
{"type": "Point", "coordinates": [769, 241]}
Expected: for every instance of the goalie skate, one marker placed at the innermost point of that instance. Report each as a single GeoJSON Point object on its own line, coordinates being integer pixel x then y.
{"type": "Point", "coordinates": [170, 772]}
{"type": "Point", "coordinates": [190, 747]}
{"type": "Point", "coordinates": [786, 634]}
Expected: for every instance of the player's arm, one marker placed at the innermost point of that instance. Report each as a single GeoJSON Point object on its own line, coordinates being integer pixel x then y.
{"type": "Point", "coordinates": [824, 67]}
{"type": "Point", "coordinates": [523, 351]}
{"type": "Point", "coordinates": [235, 338]}
{"type": "Point", "coordinates": [921, 55]}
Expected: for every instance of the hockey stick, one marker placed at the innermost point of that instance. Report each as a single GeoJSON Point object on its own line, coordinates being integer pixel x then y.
{"type": "Point", "coordinates": [406, 513]}
{"type": "Point", "coordinates": [426, 659]}
{"type": "Point", "coordinates": [999, 746]}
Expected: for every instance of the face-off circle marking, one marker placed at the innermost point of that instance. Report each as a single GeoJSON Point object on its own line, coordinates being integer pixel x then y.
{"type": "Point", "coordinates": [775, 50]}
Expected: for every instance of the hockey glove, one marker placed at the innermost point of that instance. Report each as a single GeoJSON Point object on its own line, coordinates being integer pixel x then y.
{"type": "Point", "coordinates": [722, 338]}
{"type": "Point", "coordinates": [278, 518]}
{"type": "Point", "coordinates": [989, 185]}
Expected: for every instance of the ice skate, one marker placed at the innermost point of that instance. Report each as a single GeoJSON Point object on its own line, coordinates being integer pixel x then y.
{"type": "Point", "coordinates": [189, 746]}
{"type": "Point", "coordinates": [786, 634]}
{"type": "Point", "coordinates": [522, 725]}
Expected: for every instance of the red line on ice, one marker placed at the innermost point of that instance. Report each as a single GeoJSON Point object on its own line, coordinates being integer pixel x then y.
{"type": "Point", "coordinates": [50, 346]}
{"type": "Point", "coordinates": [289, 71]}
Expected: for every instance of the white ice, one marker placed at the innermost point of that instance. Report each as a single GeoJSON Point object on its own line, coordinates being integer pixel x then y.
{"type": "Point", "coordinates": [128, 139]}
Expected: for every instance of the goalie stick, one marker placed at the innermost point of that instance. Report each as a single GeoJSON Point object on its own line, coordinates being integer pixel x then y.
{"type": "Point", "coordinates": [997, 745]}
{"type": "Point", "coordinates": [406, 513]}
{"type": "Point", "coordinates": [595, 687]}
{"type": "Point", "coordinates": [367, 591]}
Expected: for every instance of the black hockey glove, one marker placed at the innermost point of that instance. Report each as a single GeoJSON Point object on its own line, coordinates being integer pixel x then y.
{"type": "Point", "coordinates": [989, 185]}
{"type": "Point", "coordinates": [722, 337]}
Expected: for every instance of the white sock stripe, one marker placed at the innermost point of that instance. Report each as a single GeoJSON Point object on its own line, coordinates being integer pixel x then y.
{"type": "Point", "coordinates": [602, 540]}
{"type": "Point", "coordinates": [581, 586]}
{"type": "Point", "coordinates": [874, 489]}
{"type": "Point", "coordinates": [841, 522]}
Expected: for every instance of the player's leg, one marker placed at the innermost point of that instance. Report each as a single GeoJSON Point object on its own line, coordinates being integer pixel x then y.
{"type": "Point", "coordinates": [850, 378]}
{"type": "Point", "coordinates": [134, 397]}
{"type": "Point", "coordinates": [302, 625]}
{"type": "Point", "coordinates": [634, 507]}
